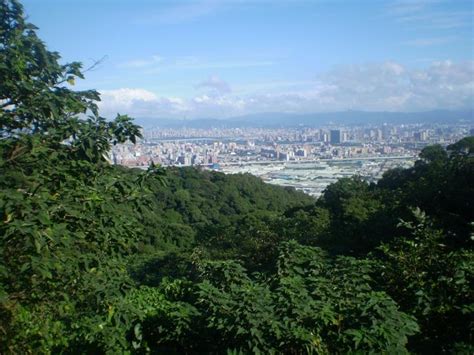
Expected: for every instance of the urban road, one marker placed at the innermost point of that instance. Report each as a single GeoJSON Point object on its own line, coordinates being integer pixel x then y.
{"type": "Point", "coordinates": [312, 161]}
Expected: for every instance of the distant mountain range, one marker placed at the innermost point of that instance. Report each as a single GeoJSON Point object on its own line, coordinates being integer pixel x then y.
{"type": "Point", "coordinates": [286, 120]}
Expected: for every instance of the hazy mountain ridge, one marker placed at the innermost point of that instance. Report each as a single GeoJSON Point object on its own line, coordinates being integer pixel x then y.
{"type": "Point", "coordinates": [278, 119]}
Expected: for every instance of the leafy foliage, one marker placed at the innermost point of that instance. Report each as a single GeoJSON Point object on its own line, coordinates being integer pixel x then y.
{"type": "Point", "coordinates": [313, 304]}
{"type": "Point", "coordinates": [431, 281]}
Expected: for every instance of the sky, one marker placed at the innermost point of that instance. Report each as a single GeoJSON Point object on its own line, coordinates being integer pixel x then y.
{"type": "Point", "coordinates": [218, 59]}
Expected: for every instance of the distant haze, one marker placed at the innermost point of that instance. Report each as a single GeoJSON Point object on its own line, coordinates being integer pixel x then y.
{"type": "Point", "coordinates": [273, 120]}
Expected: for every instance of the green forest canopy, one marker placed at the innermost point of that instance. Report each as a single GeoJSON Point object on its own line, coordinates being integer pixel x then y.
{"type": "Point", "coordinates": [98, 258]}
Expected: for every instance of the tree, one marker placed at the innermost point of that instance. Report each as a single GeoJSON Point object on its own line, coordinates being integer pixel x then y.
{"type": "Point", "coordinates": [68, 219]}
{"type": "Point", "coordinates": [36, 94]}
{"type": "Point", "coordinates": [431, 281]}
{"type": "Point", "coordinates": [434, 153]}
{"type": "Point", "coordinates": [464, 146]}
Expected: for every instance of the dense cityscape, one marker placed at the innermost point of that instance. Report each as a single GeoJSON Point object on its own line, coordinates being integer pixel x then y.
{"type": "Point", "coordinates": [306, 158]}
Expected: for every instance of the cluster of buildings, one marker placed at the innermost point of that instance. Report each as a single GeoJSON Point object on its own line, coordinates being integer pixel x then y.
{"type": "Point", "coordinates": [236, 146]}
{"type": "Point", "coordinates": [308, 159]}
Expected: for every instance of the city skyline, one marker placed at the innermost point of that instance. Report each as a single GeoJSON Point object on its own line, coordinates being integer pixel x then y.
{"type": "Point", "coordinates": [306, 158]}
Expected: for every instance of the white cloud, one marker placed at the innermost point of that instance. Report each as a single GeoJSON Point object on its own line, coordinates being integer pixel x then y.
{"type": "Point", "coordinates": [127, 96]}
{"type": "Point", "coordinates": [138, 102]}
{"type": "Point", "coordinates": [428, 14]}
{"type": "Point", "coordinates": [391, 86]}
{"type": "Point", "coordinates": [216, 85]}
{"type": "Point", "coordinates": [387, 86]}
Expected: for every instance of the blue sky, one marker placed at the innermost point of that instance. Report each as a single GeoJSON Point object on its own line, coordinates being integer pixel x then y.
{"type": "Point", "coordinates": [210, 58]}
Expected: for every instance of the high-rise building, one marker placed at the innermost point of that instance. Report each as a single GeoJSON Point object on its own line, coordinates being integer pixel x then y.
{"type": "Point", "coordinates": [335, 136]}
{"type": "Point", "coordinates": [378, 134]}
{"type": "Point", "coordinates": [345, 136]}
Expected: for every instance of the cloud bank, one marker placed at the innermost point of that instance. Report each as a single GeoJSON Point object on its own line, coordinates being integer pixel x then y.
{"type": "Point", "coordinates": [387, 86]}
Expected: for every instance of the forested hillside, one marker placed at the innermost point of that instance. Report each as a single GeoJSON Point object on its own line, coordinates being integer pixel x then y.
{"type": "Point", "coordinates": [96, 258]}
